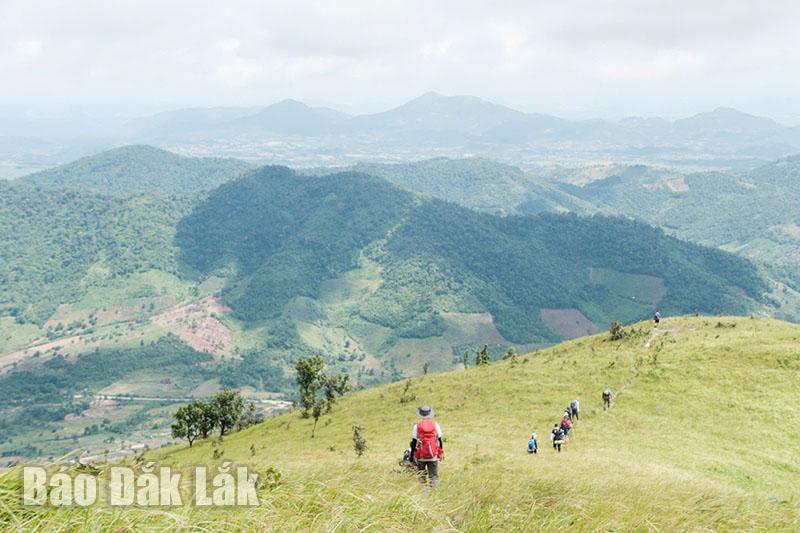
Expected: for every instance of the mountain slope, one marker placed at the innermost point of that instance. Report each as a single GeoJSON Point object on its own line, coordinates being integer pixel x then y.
{"type": "Point", "coordinates": [55, 245]}
{"type": "Point", "coordinates": [684, 447]}
{"type": "Point", "coordinates": [435, 112]}
{"type": "Point", "coordinates": [140, 168]}
{"type": "Point", "coordinates": [289, 117]}
{"type": "Point", "coordinates": [477, 183]}
{"type": "Point", "coordinates": [753, 213]}
{"type": "Point", "coordinates": [282, 234]}
{"type": "Point", "coordinates": [725, 121]}
{"type": "Point", "coordinates": [183, 121]}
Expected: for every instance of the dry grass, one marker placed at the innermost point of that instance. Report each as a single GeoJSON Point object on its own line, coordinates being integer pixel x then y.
{"type": "Point", "coordinates": [702, 437]}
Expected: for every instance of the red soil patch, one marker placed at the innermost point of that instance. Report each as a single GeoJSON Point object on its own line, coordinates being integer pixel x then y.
{"type": "Point", "coordinates": [197, 327]}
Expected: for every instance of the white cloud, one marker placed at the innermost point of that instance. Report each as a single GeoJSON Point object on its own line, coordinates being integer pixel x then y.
{"type": "Point", "coordinates": [580, 58]}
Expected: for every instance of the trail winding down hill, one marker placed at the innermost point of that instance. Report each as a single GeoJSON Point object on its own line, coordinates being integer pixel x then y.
{"type": "Point", "coordinates": [701, 439]}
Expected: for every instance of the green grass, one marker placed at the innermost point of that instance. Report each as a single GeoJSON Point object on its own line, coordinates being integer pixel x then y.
{"type": "Point", "coordinates": [702, 436]}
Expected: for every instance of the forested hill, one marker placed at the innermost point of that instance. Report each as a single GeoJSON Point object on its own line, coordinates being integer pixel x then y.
{"type": "Point", "coordinates": [477, 183]}
{"type": "Point", "coordinates": [285, 233]}
{"type": "Point", "coordinates": [140, 168]}
{"type": "Point", "coordinates": [57, 244]}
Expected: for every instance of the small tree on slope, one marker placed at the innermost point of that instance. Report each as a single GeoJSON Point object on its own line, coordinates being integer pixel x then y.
{"type": "Point", "coordinates": [318, 391]}
{"type": "Point", "coordinates": [482, 356]}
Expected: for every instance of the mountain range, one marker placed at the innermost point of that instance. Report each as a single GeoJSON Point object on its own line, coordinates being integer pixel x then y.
{"type": "Point", "coordinates": [467, 115]}
{"type": "Point", "coordinates": [293, 133]}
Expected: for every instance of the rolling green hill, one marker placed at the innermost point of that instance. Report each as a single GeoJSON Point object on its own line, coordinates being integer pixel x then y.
{"type": "Point", "coordinates": [701, 436]}
{"type": "Point", "coordinates": [56, 245]}
{"type": "Point", "coordinates": [140, 168]}
{"type": "Point", "coordinates": [754, 214]}
{"type": "Point", "coordinates": [283, 234]}
{"type": "Point", "coordinates": [477, 183]}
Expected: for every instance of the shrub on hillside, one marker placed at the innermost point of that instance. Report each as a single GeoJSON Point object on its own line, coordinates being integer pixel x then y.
{"type": "Point", "coordinates": [616, 332]}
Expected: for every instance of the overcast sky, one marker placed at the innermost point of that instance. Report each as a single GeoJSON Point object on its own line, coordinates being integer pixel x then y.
{"type": "Point", "coordinates": [570, 58]}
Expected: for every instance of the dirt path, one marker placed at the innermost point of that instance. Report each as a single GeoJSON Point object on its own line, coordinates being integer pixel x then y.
{"type": "Point", "coordinates": [657, 333]}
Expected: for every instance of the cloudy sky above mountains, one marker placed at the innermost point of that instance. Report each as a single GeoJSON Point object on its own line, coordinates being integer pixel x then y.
{"type": "Point", "coordinates": [576, 59]}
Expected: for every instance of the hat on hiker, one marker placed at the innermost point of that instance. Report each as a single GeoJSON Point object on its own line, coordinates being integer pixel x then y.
{"type": "Point", "coordinates": [425, 411]}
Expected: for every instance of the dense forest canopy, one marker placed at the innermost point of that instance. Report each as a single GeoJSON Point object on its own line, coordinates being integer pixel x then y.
{"type": "Point", "coordinates": [141, 168]}
{"type": "Point", "coordinates": [54, 244]}
{"type": "Point", "coordinates": [284, 233]}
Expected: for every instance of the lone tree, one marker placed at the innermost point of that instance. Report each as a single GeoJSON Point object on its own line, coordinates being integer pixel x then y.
{"type": "Point", "coordinates": [465, 358]}
{"type": "Point", "coordinates": [318, 391]}
{"type": "Point", "coordinates": [227, 406]}
{"type": "Point", "coordinates": [334, 387]}
{"type": "Point", "coordinates": [309, 372]}
{"type": "Point", "coordinates": [189, 422]}
{"type": "Point", "coordinates": [482, 356]}
{"type": "Point", "coordinates": [195, 420]}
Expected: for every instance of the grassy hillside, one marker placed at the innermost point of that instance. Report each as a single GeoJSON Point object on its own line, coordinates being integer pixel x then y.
{"type": "Point", "coordinates": [702, 436]}
{"type": "Point", "coordinates": [140, 168]}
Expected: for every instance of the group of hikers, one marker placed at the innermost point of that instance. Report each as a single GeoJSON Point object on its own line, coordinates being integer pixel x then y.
{"type": "Point", "coordinates": [561, 431]}
{"type": "Point", "coordinates": [426, 449]}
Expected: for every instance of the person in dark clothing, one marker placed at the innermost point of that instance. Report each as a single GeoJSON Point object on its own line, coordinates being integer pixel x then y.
{"type": "Point", "coordinates": [608, 395]}
{"type": "Point", "coordinates": [557, 436]}
{"type": "Point", "coordinates": [575, 409]}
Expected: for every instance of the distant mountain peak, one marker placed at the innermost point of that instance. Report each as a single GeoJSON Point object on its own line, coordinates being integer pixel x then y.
{"type": "Point", "coordinates": [289, 103]}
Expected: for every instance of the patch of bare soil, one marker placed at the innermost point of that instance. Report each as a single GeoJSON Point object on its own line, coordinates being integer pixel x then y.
{"type": "Point", "coordinates": [791, 230]}
{"type": "Point", "coordinates": [678, 185]}
{"type": "Point", "coordinates": [7, 360]}
{"type": "Point", "coordinates": [475, 327]}
{"type": "Point", "coordinates": [655, 186]}
{"type": "Point", "coordinates": [195, 324]}
{"type": "Point", "coordinates": [568, 323]}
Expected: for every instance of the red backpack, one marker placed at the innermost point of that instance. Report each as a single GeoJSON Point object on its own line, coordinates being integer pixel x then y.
{"type": "Point", "coordinates": [427, 440]}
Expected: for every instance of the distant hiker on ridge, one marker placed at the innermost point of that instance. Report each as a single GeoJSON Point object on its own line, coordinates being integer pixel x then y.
{"type": "Point", "coordinates": [575, 408]}
{"type": "Point", "coordinates": [656, 318]}
{"type": "Point", "coordinates": [608, 394]}
{"type": "Point", "coordinates": [426, 441]}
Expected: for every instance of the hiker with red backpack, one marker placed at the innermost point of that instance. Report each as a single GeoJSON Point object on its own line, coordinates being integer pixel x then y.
{"type": "Point", "coordinates": [426, 441]}
{"type": "Point", "coordinates": [566, 426]}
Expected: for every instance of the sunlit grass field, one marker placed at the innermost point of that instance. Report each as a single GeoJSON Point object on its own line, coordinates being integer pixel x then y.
{"type": "Point", "coordinates": [703, 435]}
